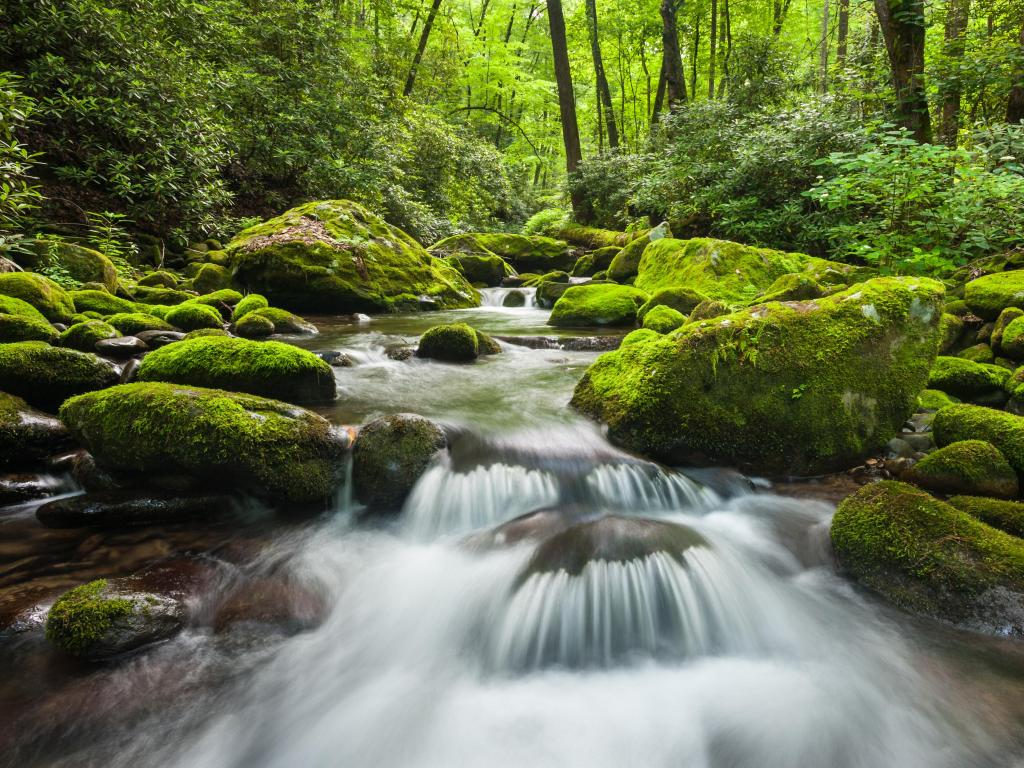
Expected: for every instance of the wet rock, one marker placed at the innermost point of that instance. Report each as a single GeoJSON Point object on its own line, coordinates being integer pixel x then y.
{"type": "Point", "coordinates": [121, 347]}
{"type": "Point", "coordinates": [336, 359]}
{"type": "Point", "coordinates": [566, 343]}
{"type": "Point", "coordinates": [280, 603]}
{"type": "Point", "coordinates": [106, 618]}
{"type": "Point", "coordinates": [514, 299]}
{"type": "Point", "coordinates": [154, 339]}
{"type": "Point", "coordinates": [118, 509]}
{"type": "Point", "coordinates": [26, 435]}
{"type": "Point", "coordinates": [399, 352]}
{"type": "Point", "coordinates": [130, 371]}
{"type": "Point", "coordinates": [389, 455]}
{"type": "Point", "coordinates": [899, 448]}
{"type": "Point", "coordinates": [533, 526]}
{"type": "Point", "coordinates": [455, 343]}
{"type": "Point", "coordinates": [16, 488]}
{"type": "Point", "coordinates": [92, 477]}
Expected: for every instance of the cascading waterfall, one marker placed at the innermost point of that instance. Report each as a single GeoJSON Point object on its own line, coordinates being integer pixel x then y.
{"type": "Point", "coordinates": [495, 297]}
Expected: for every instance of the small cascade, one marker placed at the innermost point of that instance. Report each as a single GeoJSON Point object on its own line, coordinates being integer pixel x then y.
{"type": "Point", "coordinates": [495, 297]}
{"type": "Point", "coordinates": [635, 486]}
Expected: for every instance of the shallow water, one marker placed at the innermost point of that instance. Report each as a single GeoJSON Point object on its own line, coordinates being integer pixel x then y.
{"type": "Point", "coordinates": [428, 641]}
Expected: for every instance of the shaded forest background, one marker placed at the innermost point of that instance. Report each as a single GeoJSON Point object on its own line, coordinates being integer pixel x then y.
{"type": "Point", "coordinates": [886, 132]}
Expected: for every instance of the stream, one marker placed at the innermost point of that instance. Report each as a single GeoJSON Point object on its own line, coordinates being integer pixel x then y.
{"type": "Point", "coordinates": [427, 640]}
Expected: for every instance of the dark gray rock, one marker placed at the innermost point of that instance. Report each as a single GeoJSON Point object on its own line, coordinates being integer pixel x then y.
{"type": "Point", "coordinates": [117, 509]}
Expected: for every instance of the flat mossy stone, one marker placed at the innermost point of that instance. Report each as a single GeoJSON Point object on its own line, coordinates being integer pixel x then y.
{"type": "Point", "coordinates": [81, 264]}
{"type": "Point", "coordinates": [131, 323]}
{"type": "Point", "coordinates": [224, 300]}
{"type": "Point", "coordinates": [965, 378]}
{"type": "Point", "coordinates": [784, 388]}
{"type": "Point", "coordinates": [958, 308]}
{"type": "Point", "coordinates": [247, 304]}
{"type": "Point", "coordinates": [595, 237]}
{"type": "Point", "coordinates": [664, 319]}
{"type": "Point", "coordinates": [157, 295]}
{"type": "Point", "coordinates": [934, 399]}
{"type": "Point", "coordinates": [929, 557]}
{"type": "Point", "coordinates": [336, 256]}
{"type": "Point", "coordinates": [190, 316]}
{"type": "Point", "coordinates": [227, 439]}
{"type": "Point", "coordinates": [1007, 516]}
{"type": "Point", "coordinates": [269, 369]}
{"type": "Point", "coordinates": [285, 322]}
{"type": "Point", "coordinates": [83, 336]}
{"type": "Point", "coordinates": [389, 455]}
{"type": "Point", "coordinates": [46, 376]}
{"type": "Point", "coordinates": [450, 343]}
{"type": "Point", "coordinates": [989, 295]}
{"type": "Point", "coordinates": [202, 333]}
{"type": "Point", "coordinates": [526, 253]}
{"type": "Point", "coordinates": [975, 422]}
{"type": "Point", "coordinates": [971, 467]}
{"type": "Point", "coordinates": [683, 300]}
{"type": "Point", "coordinates": [600, 305]}
{"type": "Point", "coordinates": [102, 302]}
{"type": "Point", "coordinates": [52, 301]}
{"type": "Point", "coordinates": [254, 326]}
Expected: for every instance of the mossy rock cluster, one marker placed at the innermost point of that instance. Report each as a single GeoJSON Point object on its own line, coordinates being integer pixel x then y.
{"type": "Point", "coordinates": [526, 253]}
{"type": "Point", "coordinates": [601, 305]}
{"type": "Point", "coordinates": [336, 256]}
{"type": "Point", "coordinates": [972, 467]}
{"type": "Point", "coordinates": [973, 422]}
{"type": "Point", "coordinates": [389, 455]}
{"type": "Point", "coordinates": [480, 269]}
{"type": "Point", "coordinates": [45, 376]}
{"type": "Point", "coordinates": [270, 369]}
{"type": "Point", "coordinates": [257, 445]}
{"type": "Point", "coordinates": [456, 343]}
{"type": "Point", "coordinates": [785, 388]}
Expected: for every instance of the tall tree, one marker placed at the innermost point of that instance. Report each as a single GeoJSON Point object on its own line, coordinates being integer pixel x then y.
{"type": "Point", "coordinates": [957, 14]}
{"type": "Point", "coordinates": [566, 96]}
{"type": "Point", "coordinates": [410, 80]}
{"type": "Point", "coordinates": [902, 26]}
{"type": "Point", "coordinates": [713, 39]}
{"type": "Point", "coordinates": [842, 32]}
{"type": "Point", "coordinates": [603, 91]}
{"type": "Point", "coordinates": [672, 66]}
{"type": "Point", "coordinates": [1015, 105]}
{"type": "Point", "coordinates": [823, 49]}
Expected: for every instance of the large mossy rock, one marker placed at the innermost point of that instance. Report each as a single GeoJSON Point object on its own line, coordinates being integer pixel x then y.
{"type": "Point", "coordinates": [929, 557]}
{"type": "Point", "coordinates": [527, 253]}
{"type": "Point", "coordinates": [1003, 514]}
{"type": "Point", "coordinates": [971, 467]}
{"type": "Point", "coordinates": [456, 343]}
{"type": "Point", "coordinates": [336, 256]}
{"type": "Point", "coordinates": [20, 321]}
{"type": "Point", "coordinates": [103, 619]}
{"type": "Point", "coordinates": [46, 376]}
{"type": "Point", "coordinates": [799, 387]}
{"type": "Point", "coordinates": [481, 269]}
{"type": "Point", "coordinates": [974, 422]}
{"type": "Point", "coordinates": [191, 317]}
{"type": "Point", "coordinates": [52, 301]}
{"type": "Point", "coordinates": [627, 261]}
{"type": "Point", "coordinates": [966, 378]}
{"type": "Point", "coordinates": [730, 272]}
{"type": "Point", "coordinates": [989, 295]}
{"type": "Point", "coordinates": [265, 447]}
{"type": "Point", "coordinates": [269, 369]}
{"type": "Point", "coordinates": [606, 304]}
{"type": "Point", "coordinates": [389, 455]}
{"type": "Point", "coordinates": [27, 435]}
{"type": "Point", "coordinates": [81, 264]}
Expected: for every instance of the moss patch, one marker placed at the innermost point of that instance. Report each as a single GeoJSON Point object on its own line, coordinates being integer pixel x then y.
{"type": "Point", "coordinates": [965, 378]}
{"type": "Point", "coordinates": [606, 305]}
{"type": "Point", "coordinates": [933, 400]}
{"type": "Point", "coordinates": [82, 264]}
{"type": "Point", "coordinates": [989, 295]}
{"type": "Point", "coordinates": [102, 302]}
{"type": "Point", "coordinates": [189, 317]}
{"type": "Point", "coordinates": [130, 323]}
{"type": "Point", "coordinates": [247, 304]}
{"type": "Point", "coordinates": [83, 336]}
{"type": "Point", "coordinates": [83, 616]}
{"type": "Point", "coordinates": [452, 343]}
{"type": "Point", "coordinates": [664, 319]}
{"type": "Point", "coordinates": [683, 300]}
{"type": "Point", "coordinates": [968, 466]}
{"type": "Point", "coordinates": [52, 301]}
{"type": "Point", "coordinates": [974, 422]}
{"type": "Point", "coordinates": [45, 376]}
{"type": "Point", "coordinates": [284, 321]}
{"type": "Point", "coordinates": [1005, 515]}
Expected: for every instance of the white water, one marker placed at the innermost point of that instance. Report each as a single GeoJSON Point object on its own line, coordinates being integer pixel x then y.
{"type": "Point", "coordinates": [495, 297]}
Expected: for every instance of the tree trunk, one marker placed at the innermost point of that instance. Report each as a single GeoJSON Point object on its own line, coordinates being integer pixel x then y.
{"type": "Point", "coordinates": [1015, 106]}
{"type": "Point", "coordinates": [779, 11]}
{"type": "Point", "coordinates": [566, 97]}
{"type": "Point", "coordinates": [604, 93]}
{"type": "Point", "coordinates": [823, 64]}
{"type": "Point", "coordinates": [672, 62]}
{"type": "Point", "coordinates": [659, 96]}
{"type": "Point", "coordinates": [696, 53]}
{"type": "Point", "coordinates": [410, 81]}
{"type": "Point", "coordinates": [842, 32]}
{"type": "Point", "coordinates": [902, 25]}
{"type": "Point", "coordinates": [713, 39]}
{"type": "Point", "coordinates": [725, 40]}
{"type": "Point", "coordinates": [957, 14]}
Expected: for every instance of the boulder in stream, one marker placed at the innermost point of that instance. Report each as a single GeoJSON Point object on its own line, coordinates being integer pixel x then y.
{"type": "Point", "coordinates": [456, 343]}
{"type": "Point", "coordinates": [27, 436]}
{"type": "Point", "coordinates": [390, 454]}
{"type": "Point", "coordinates": [46, 376]}
{"type": "Point", "coordinates": [597, 304]}
{"type": "Point", "coordinates": [125, 509]}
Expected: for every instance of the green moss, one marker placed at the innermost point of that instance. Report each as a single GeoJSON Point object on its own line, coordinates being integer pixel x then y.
{"type": "Point", "coordinates": [480, 269]}
{"type": "Point", "coordinates": [989, 295]}
{"type": "Point", "coordinates": [83, 265]}
{"type": "Point", "coordinates": [210, 278]}
{"type": "Point", "coordinates": [964, 378]}
{"type": "Point", "coordinates": [284, 321]}
{"type": "Point", "coordinates": [781, 387]}
{"type": "Point", "coordinates": [709, 309]}
{"type": "Point", "coordinates": [979, 353]}
{"type": "Point", "coordinates": [592, 237]}
{"type": "Point", "coordinates": [792, 288]}
{"type": "Point", "coordinates": [974, 422]}
{"type": "Point", "coordinates": [589, 264]}
{"type": "Point", "coordinates": [336, 256]}
{"type": "Point", "coordinates": [269, 369]}
{"type": "Point", "coordinates": [682, 300]}
{"type": "Point", "coordinates": [730, 272]}
{"type": "Point", "coordinates": [190, 316]}
{"type": "Point", "coordinates": [1007, 316]}
{"type": "Point", "coordinates": [535, 281]}
{"type": "Point", "coordinates": [254, 326]}
{"type": "Point", "coordinates": [608, 305]}
{"type": "Point", "coordinates": [921, 553]}
{"type": "Point", "coordinates": [452, 343]}
{"type": "Point", "coordinates": [933, 400]}
{"type": "Point", "coordinates": [389, 456]}
{"type": "Point", "coordinates": [248, 304]}
{"type": "Point", "coordinates": [487, 345]}
{"type": "Point", "coordinates": [627, 261]}
{"type": "Point", "coordinates": [83, 336]}
{"type": "Point", "coordinates": [21, 328]}
{"type": "Point", "coordinates": [82, 616]}
{"type": "Point", "coordinates": [958, 308]}
{"type": "Point", "coordinates": [549, 292]}
{"type": "Point", "coordinates": [45, 376]}
{"type": "Point", "coordinates": [102, 302]}
{"type": "Point", "coordinates": [130, 323]}
{"type": "Point", "coordinates": [161, 279]}
{"type": "Point", "coordinates": [223, 300]}
{"type": "Point", "coordinates": [639, 336]}
{"type": "Point", "coordinates": [167, 296]}
{"type": "Point", "coordinates": [966, 466]}
{"type": "Point", "coordinates": [263, 446]}
{"type": "Point", "coordinates": [202, 333]}
{"type": "Point", "coordinates": [52, 301]}
{"type": "Point", "coordinates": [1012, 339]}
{"type": "Point", "coordinates": [951, 328]}
{"type": "Point", "coordinates": [1005, 515]}
{"type": "Point", "coordinates": [664, 319]}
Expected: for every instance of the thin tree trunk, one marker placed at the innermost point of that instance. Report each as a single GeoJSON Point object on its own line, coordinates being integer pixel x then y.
{"type": "Point", "coordinates": [696, 52]}
{"type": "Point", "coordinates": [823, 53]}
{"type": "Point", "coordinates": [842, 33]}
{"type": "Point", "coordinates": [902, 25]}
{"type": "Point", "coordinates": [647, 76]}
{"type": "Point", "coordinates": [957, 15]}
{"type": "Point", "coordinates": [725, 41]}
{"type": "Point", "coordinates": [566, 97]}
{"type": "Point", "coordinates": [672, 60]}
{"type": "Point", "coordinates": [604, 93]}
{"type": "Point", "coordinates": [780, 8]}
{"type": "Point", "coordinates": [659, 96]}
{"type": "Point", "coordinates": [410, 80]}
{"type": "Point", "coordinates": [1015, 105]}
{"type": "Point", "coordinates": [713, 39]}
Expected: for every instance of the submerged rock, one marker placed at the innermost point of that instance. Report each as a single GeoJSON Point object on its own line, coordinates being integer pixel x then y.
{"type": "Point", "coordinates": [800, 387]}
{"type": "Point", "coordinates": [122, 509]}
{"type": "Point", "coordinates": [389, 455]}
{"type": "Point", "coordinates": [46, 376]}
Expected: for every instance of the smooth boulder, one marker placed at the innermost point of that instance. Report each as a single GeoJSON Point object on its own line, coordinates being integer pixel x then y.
{"type": "Point", "coordinates": [602, 305]}
{"type": "Point", "coordinates": [27, 436]}
{"type": "Point", "coordinates": [46, 376]}
{"type": "Point", "coordinates": [389, 455]}
{"type": "Point", "coordinates": [971, 467]}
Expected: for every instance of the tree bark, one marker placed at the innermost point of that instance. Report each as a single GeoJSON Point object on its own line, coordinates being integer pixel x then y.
{"type": "Point", "coordinates": [672, 66]}
{"type": "Point", "coordinates": [713, 39]}
{"type": "Point", "coordinates": [566, 97]}
{"type": "Point", "coordinates": [823, 53]}
{"type": "Point", "coordinates": [957, 15]}
{"type": "Point", "coordinates": [725, 40]}
{"type": "Point", "coordinates": [779, 10]}
{"type": "Point", "coordinates": [659, 96]}
{"type": "Point", "coordinates": [1015, 105]}
{"type": "Point", "coordinates": [842, 32]}
{"type": "Point", "coordinates": [696, 53]}
{"type": "Point", "coordinates": [603, 91]}
{"type": "Point", "coordinates": [902, 26]}
{"type": "Point", "coordinates": [410, 80]}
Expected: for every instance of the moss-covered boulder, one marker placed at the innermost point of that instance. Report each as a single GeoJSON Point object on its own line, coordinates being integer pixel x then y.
{"type": "Point", "coordinates": [663, 319]}
{"type": "Point", "coordinates": [951, 328]}
{"type": "Point", "coordinates": [480, 269]}
{"type": "Point", "coordinates": [527, 253]}
{"type": "Point", "coordinates": [1006, 317]}
{"type": "Point", "coordinates": [593, 262]}
{"type": "Point", "coordinates": [451, 343]}
{"type": "Point", "coordinates": [189, 317]}
{"type": "Point", "coordinates": [798, 387]}
{"type": "Point", "coordinates": [389, 455]}
{"type": "Point", "coordinates": [27, 435]}
{"type": "Point", "coordinates": [20, 321]}
{"type": "Point", "coordinates": [683, 300]}
{"type": "Point", "coordinates": [974, 422]}
{"type": "Point", "coordinates": [261, 446]}
{"type": "Point", "coordinates": [103, 619]}
{"type": "Point", "coordinates": [270, 369]}
{"type": "Point", "coordinates": [254, 326]}
{"type": "Point", "coordinates": [605, 305]}
{"type": "Point", "coordinates": [627, 261]}
{"type": "Point", "coordinates": [934, 400]}
{"type": "Point", "coordinates": [285, 322]}
{"type": "Point", "coordinates": [793, 287]}
{"type": "Point", "coordinates": [83, 336]}
{"type": "Point", "coordinates": [929, 557]}
{"type": "Point", "coordinates": [81, 264]}
{"type": "Point", "coordinates": [131, 323]}
{"type": "Point", "coordinates": [46, 376]}
{"type": "Point", "coordinates": [978, 353]}
{"type": "Point", "coordinates": [336, 256]}
{"type": "Point", "coordinates": [989, 295]}
{"type": "Point", "coordinates": [248, 304]}
{"type": "Point", "coordinates": [52, 301]}
{"type": "Point", "coordinates": [1005, 515]}
{"type": "Point", "coordinates": [224, 301]}
{"type": "Point", "coordinates": [730, 272]}
{"type": "Point", "coordinates": [1011, 341]}
{"type": "Point", "coordinates": [156, 295]}
{"type": "Point", "coordinates": [971, 467]}
{"type": "Point", "coordinates": [965, 378]}
{"type": "Point", "coordinates": [102, 302]}
{"type": "Point", "coordinates": [210, 278]}
{"type": "Point", "coordinates": [159, 279]}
